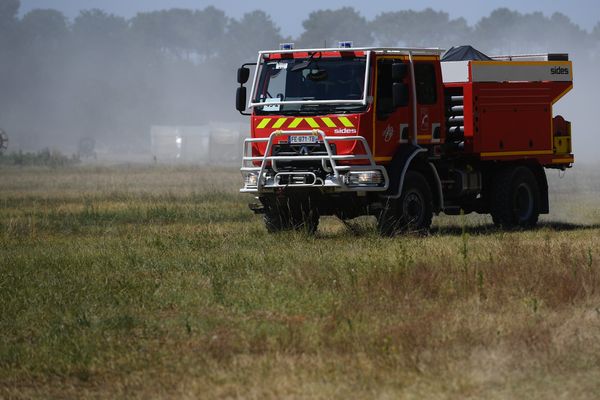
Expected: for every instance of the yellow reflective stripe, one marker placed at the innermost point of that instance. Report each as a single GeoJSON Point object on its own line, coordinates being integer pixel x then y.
{"type": "Point", "coordinates": [279, 122]}
{"type": "Point", "coordinates": [346, 122]}
{"type": "Point", "coordinates": [312, 122]}
{"type": "Point", "coordinates": [557, 98]}
{"type": "Point", "coordinates": [517, 153]}
{"type": "Point", "coordinates": [295, 123]}
{"type": "Point", "coordinates": [563, 160]}
{"type": "Point", "coordinates": [328, 122]}
{"type": "Point", "coordinates": [263, 123]}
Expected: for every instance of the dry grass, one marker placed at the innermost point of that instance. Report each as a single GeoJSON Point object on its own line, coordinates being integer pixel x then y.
{"type": "Point", "coordinates": [158, 282]}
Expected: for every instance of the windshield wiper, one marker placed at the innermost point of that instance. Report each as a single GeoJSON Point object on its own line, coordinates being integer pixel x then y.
{"type": "Point", "coordinates": [305, 64]}
{"type": "Point", "coordinates": [330, 108]}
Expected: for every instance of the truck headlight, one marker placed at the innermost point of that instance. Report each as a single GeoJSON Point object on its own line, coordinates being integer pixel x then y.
{"type": "Point", "coordinates": [251, 179]}
{"type": "Point", "coordinates": [371, 178]}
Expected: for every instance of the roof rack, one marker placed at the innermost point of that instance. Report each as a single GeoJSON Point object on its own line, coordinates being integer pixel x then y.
{"type": "Point", "coordinates": [386, 50]}
{"type": "Point", "coordinates": [533, 57]}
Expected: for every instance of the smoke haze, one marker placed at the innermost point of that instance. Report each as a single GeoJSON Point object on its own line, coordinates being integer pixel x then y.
{"type": "Point", "coordinates": [112, 79]}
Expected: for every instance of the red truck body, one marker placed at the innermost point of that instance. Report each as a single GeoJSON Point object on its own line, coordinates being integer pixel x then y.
{"type": "Point", "coordinates": [345, 142]}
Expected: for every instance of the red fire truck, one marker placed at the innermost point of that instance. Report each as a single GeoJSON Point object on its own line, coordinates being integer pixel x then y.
{"type": "Point", "coordinates": [402, 134]}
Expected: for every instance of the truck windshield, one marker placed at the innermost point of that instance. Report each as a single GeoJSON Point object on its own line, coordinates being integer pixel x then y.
{"type": "Point", "coordinates": [301, 81]}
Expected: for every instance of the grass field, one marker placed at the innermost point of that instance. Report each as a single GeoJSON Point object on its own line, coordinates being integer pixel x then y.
{"type": "Point", "coordinates": [158, 282]}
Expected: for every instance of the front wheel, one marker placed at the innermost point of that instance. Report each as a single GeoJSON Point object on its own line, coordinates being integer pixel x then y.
{"type": "Point", "coordinates": [287, 214]}
{"type": "Point", "coordinates": [412, 212]}
{"type": "Point", "coordinates": [276, 221]}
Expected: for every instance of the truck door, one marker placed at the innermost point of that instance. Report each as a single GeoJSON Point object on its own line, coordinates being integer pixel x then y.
{"type": "Point", "coordinates": [392, 125]}
{"type": "Point", "coordinates": [429, 111]}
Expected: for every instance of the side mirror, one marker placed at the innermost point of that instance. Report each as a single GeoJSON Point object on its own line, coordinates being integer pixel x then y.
{"type": "Point", "coordinates": [399, 71]}
{"type": "Point", "coordinates": [240, 99]}
{"type": "Point", "coordinates": [400, 94]}
{"type": "Point", "coordinates": [243, 74]}
{"type": "Point", "coordinates": [385, 107]}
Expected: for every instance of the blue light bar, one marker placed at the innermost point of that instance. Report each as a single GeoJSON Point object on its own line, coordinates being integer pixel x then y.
{"type": "Point", "coordinates": [286, 46]}
{"type": "Point", "coordinates": [345, 45]}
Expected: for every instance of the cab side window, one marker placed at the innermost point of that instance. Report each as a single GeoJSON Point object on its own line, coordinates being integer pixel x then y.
{"type": "Point", "coordinates": [385, 82]}
{"type": "Point", "coordinates": [384, 88]}
{"type": "Point", "coordinates": [425, 82]}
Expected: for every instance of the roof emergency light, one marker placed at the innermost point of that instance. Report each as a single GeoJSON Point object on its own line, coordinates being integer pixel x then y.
{"type": "Point", "coordinates": [286, 46]}
{"type": "Point", "coordinates": [346, 44]}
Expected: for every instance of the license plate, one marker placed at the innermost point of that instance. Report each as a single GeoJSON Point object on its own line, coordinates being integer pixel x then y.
{"type": "Point", "coordinates": [303, 139]}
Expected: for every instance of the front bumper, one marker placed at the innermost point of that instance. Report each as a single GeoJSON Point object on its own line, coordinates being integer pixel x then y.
{"type": "Point", "coordinates": [338, 178]}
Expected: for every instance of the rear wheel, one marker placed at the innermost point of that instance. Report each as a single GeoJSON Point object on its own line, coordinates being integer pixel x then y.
{"type": "Point", "coordinates": [412, 212]}
{"type": "Point", "coordinates": [515, 198]}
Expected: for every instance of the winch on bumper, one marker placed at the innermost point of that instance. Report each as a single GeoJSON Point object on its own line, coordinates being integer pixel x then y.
{"type": "Point", "coordinates": [329, 176]}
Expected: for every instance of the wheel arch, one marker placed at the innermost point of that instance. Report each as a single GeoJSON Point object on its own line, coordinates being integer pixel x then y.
{"type": "Point", "coordinates": [414, 158]}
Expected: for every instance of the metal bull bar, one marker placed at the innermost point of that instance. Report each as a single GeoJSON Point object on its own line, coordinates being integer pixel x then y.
{"type": "Point", "coordinates": [337, 175]}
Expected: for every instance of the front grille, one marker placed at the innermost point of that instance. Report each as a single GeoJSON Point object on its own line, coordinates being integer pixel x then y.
{"type": "Point", "coordinates": [316, 149]}
{"type": "Point", "coordinates": [292, 150]}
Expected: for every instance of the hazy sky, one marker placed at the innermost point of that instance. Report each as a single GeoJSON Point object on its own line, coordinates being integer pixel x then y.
{"type": "Point", "coordinates": [289, 14]}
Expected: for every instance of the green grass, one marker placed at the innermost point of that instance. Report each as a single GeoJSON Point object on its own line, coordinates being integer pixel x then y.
{"type": "Point", "coordinates": [159, 282]}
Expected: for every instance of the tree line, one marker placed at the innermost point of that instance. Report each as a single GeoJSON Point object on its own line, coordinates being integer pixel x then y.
{"type": "Point", "coordinates": [110, 78]}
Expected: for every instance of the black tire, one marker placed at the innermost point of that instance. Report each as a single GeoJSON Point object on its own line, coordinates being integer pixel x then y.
{"type": "Point", "coordinates": [285, 214]}
{"type": "Point", "coordinates": [412, 212]}
{"type": "Point", "coordinates": [515, 199]}
{"type": "Point", "coordinates": [305, 219]}
{"type": "Point", "coordinates": [276, 221]}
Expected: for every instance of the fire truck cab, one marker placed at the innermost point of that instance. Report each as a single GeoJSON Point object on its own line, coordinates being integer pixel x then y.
{"type": "Point", "coordinates": [401, 134]}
